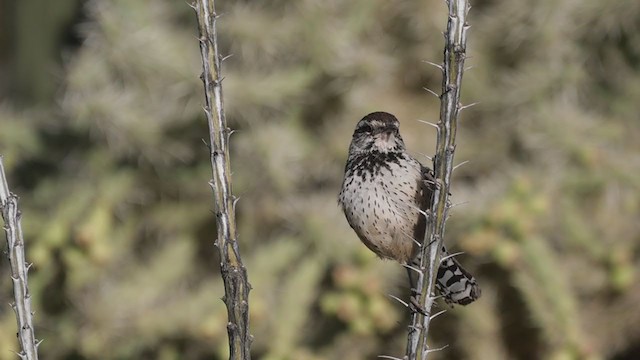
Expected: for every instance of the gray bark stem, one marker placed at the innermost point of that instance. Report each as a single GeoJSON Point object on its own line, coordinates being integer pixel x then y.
{"type": "Point", "coordinates": [234, 274]}
{"type": "Point", "coordinates": [452, 71]}
{"type": "Point", "coordinates": [19, 269]}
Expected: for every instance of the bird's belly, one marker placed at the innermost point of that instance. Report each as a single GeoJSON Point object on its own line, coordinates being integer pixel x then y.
{"type": "Point", "coordinates": [384, 215]}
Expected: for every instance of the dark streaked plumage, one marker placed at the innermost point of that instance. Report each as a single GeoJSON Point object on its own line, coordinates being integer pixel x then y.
{"type": "Point", "coordinates": [383, 191]}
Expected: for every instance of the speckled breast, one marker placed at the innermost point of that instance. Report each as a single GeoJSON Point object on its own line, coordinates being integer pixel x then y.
{"type": "Point", "coordinates": [380, 197]}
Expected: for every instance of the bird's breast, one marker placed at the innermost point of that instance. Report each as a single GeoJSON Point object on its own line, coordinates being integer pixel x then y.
{"type": "Point", "coordinates": [380, 204]}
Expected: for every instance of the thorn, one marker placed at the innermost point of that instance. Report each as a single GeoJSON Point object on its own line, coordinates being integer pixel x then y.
{"type": "Point", "coordinates": [229, 131]}
{"type": "Point", "coordinates": [451, 256]}
{"type": "Point", "coordinates": [434, 64]}
{"type": "Point", "coordinates": [425, 155]}
{"type": "Point", "coordinates": [457, 166]}
{"type": "Point", "coordinates": [469, 67]}
{"type": "Point", "coordinates": [437, 314]}
{"type": "Point", "coordinates": [438, 349]}
{"type": "Point", "coordinates": [467, 106]}
{"type": "Point", "coordinates": [388, 357]}
{"type": "Point", "coordinates": [422, 212]}
{"type": "Point", "coordinates": [206, 144]}
{"type": "Point", "coordinates": [458, 204]}
{"type": "Point", "coordinates": [412, 239]}
{"type": "Point", "coordinates": [21, 354]}
{"type": "Point", "coordinates": [398, 300]}
{"type": "Point", "coordinates": [29, 265]}
{"type": "Point", "coordinates": [235, 201]}
{"type": "Point", "coordinates": [218, 16]}
{"type": "Point", "coordinates": [223, 59]}
{"type": "Point", "coordinates": [430, 123]}
{"type": "Point", "coordinates": [431, 92]}
{"type": "Point", "coordinates": [38, 342]}
{"type": "Point", "coordinates": [413, 268]}
{"type": "Point", "coordinates": [192, 5]}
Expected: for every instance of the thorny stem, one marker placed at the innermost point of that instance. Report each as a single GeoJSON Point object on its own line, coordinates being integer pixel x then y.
{"type": "Point", "coordinates": [19, 268]}
{"type": "Point", "coordinates": [234, 274]}
{"type": "Point", "coordinates": [452, 70]}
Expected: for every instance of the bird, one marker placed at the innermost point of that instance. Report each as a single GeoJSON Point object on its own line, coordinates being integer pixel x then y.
{"type": "Point", "coordinates": [384, 194]}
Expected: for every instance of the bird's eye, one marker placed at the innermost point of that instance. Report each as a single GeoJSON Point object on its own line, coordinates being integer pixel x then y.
{"type": "Point", "coordinates": [365, 128]}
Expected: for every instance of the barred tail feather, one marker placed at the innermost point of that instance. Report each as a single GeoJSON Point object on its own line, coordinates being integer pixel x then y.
{"type": "Point", "coordinates": [453, 282]}
{"type": "Point", "coordinates": [456, 284]}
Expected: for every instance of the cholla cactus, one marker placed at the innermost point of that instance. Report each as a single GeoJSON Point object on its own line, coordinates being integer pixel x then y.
{"type": "Point", "coordinates": [111, 179]}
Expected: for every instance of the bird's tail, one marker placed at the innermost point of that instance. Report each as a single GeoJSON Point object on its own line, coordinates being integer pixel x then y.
{"type": "Point", "coordinates": [453, 282]}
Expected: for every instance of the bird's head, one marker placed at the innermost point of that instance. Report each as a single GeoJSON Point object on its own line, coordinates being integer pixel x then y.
{"type": "Point", "coordinates": [378, 131]}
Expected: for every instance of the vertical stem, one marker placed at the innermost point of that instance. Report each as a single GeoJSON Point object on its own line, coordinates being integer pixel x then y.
{"type": "Point", "coordinates": [452, 70]}
{"type": "Point", "coordinates": [19, 269]}
{"type": "Point", "coordinates": [234, 274]}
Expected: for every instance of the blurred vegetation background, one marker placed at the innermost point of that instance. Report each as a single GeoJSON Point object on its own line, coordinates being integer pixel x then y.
{"type": "Point", "coordinates": [101, 126]}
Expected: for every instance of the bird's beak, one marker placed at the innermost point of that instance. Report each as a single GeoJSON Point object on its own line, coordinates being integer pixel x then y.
{"type": "Point", "coordinates": [385, 133]}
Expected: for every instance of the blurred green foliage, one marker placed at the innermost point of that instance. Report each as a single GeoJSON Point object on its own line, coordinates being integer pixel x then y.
{"type": "Point", "coordinates": [113, 176]}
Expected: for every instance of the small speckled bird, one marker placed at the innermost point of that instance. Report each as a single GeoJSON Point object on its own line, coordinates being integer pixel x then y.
{"type": "Point", "coordinates": [383, 191]}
